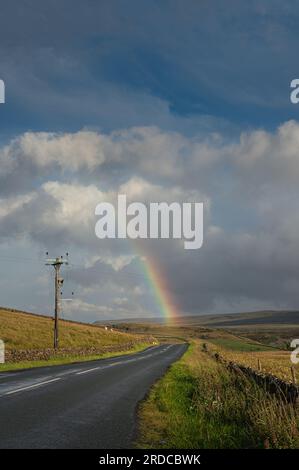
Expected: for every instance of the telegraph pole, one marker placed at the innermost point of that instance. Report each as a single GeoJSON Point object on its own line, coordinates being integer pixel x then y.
{"type": "Point", "coordinates": [57, 263]}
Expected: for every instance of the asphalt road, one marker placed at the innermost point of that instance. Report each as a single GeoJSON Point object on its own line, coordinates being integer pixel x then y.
{"type": "Point", "coordinates": [90, 405]}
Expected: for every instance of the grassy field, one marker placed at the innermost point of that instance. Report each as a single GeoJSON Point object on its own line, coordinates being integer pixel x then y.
{"type": "Point", "coordinates": [27, 331]}
{"type": "Point", "coordinates": [272, 361]}
{"type": "Point", "coordinates": [199, 404]}
{"type": "Point", "coordinates": [274, 328]}
{"type": "Point", "coordinates": [278, 336]}
{"type": "Point", "coordinates": [234, 345]}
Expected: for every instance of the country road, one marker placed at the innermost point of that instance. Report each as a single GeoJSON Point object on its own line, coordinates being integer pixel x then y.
{"type": "Point", "coordinates": [80, 406]}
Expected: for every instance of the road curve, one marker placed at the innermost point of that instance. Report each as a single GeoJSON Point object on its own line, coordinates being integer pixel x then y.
{"type": "Point", "coordinates": [89, 405]}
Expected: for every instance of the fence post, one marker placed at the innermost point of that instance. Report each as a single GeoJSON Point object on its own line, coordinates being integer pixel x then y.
{"type": "Point", "coordinates": [294, 379]}
{"type": "Point", "coordinates": [259, 365]}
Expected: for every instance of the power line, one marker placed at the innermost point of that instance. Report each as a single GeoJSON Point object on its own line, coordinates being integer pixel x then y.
{"type": "Point", "coordinates": [105, 269]}
{"type": "Point", "coordinates": [17, 259]}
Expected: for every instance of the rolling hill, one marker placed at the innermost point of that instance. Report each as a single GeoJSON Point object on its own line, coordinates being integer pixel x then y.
{"type": "Point", "coordinates": [260, 319]}
{"type": "Point", "coordinates": [22, 330]}
{"type": "Point", "coordinates": [275, 328]}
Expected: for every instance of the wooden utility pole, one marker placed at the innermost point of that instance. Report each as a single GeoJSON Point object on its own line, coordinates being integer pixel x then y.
{"type": "Point", "coordinates": [57, 263]}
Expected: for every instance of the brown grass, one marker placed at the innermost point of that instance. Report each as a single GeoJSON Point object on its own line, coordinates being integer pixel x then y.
{"type": "Point", "coordinates": [273, 362]}
{"type": "Point", "coordinates": [28, 331]}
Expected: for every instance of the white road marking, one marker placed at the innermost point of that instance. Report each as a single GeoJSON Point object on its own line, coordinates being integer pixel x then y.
{"type": "Point", "coordinates": [69, 372]}
{"type": "Point", "coordinates": [87, 370]}
{"type": "Point", "coordinates": [111, 365]}
{"type": "Point", "coordinates": [39, 384]}
{"type": "Point", "coordinates": [98, 368]}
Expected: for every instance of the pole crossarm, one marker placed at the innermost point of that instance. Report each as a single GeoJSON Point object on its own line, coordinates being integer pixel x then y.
{"type": "Point", "coordinates": [56, 261]}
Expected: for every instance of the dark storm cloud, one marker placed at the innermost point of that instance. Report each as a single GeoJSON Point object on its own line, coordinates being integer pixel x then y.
{"type": "Point", "coordinates": [117, 64]}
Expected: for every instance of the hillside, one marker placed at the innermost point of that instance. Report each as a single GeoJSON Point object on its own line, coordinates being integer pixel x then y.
{"type": "Point", "coordinates": [267, 318]}
{"type": "Point", "coordinates": [272, 328]}
{"type": "Point", "coordinates": [21, 330]}
{"type": "Point", "coordinates": [263, 318]}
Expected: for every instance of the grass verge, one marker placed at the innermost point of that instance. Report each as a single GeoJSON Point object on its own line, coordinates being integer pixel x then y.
{"type": "Point", "coordinates": [199, 404]}
{"type": "Point", "coordinates": [69, 360]}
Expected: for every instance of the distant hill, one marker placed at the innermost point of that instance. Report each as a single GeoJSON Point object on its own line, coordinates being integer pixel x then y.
{"type": "Point", "coordinates": [267, 318]}
{"type": "Point", "coordinates": [259, 319]}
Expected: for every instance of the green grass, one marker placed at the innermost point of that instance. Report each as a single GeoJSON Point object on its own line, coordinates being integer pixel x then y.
{"type": "Point", "coordinates": [55, 361]}
{"type": "Point", "coordinates": [239, 345]}
{"type": "Point", "coordinates": [199, 404]}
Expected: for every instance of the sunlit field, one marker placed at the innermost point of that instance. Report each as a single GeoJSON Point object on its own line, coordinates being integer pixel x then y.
{"type": "Point", "coordinates": [271, 361]}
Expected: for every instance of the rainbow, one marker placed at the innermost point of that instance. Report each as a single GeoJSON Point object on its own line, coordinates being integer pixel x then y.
{"type": "Point", "coordinates": [158, 282]}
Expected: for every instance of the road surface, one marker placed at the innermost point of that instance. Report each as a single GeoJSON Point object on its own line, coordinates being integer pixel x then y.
{"type": "Point", "coordinates": [80, 406]}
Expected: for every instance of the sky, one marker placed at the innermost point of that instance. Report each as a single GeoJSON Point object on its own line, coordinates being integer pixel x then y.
{"type": "Point", "coordinates": [161, 101]}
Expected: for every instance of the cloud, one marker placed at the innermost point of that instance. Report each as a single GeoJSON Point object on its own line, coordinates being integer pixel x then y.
{"type": "Point", "coordinates": [55, 214]}
{"type": "Point", "coordinates": [106, 159]}
{"type": "Point", "coordinates": [248, 185]}
{"type": "Point", "coordinates": [68, 151]}
{"type": "Point", "coordinates": [105, 106]}
{"type": "Point", "coordinates": [113, 159]}
{"type": "Point", "coordinates": [107, 68]}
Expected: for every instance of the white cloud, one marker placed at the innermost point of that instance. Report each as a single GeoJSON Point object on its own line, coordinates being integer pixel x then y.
{"type": "Point", "coordinates": [271, 158]}
{"type": "Point", "coordinates": [249, 186]}
{"type": "Point", "coordinates": [69, 151]}
{"type": "Point", "coordinates": [74, 205]}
